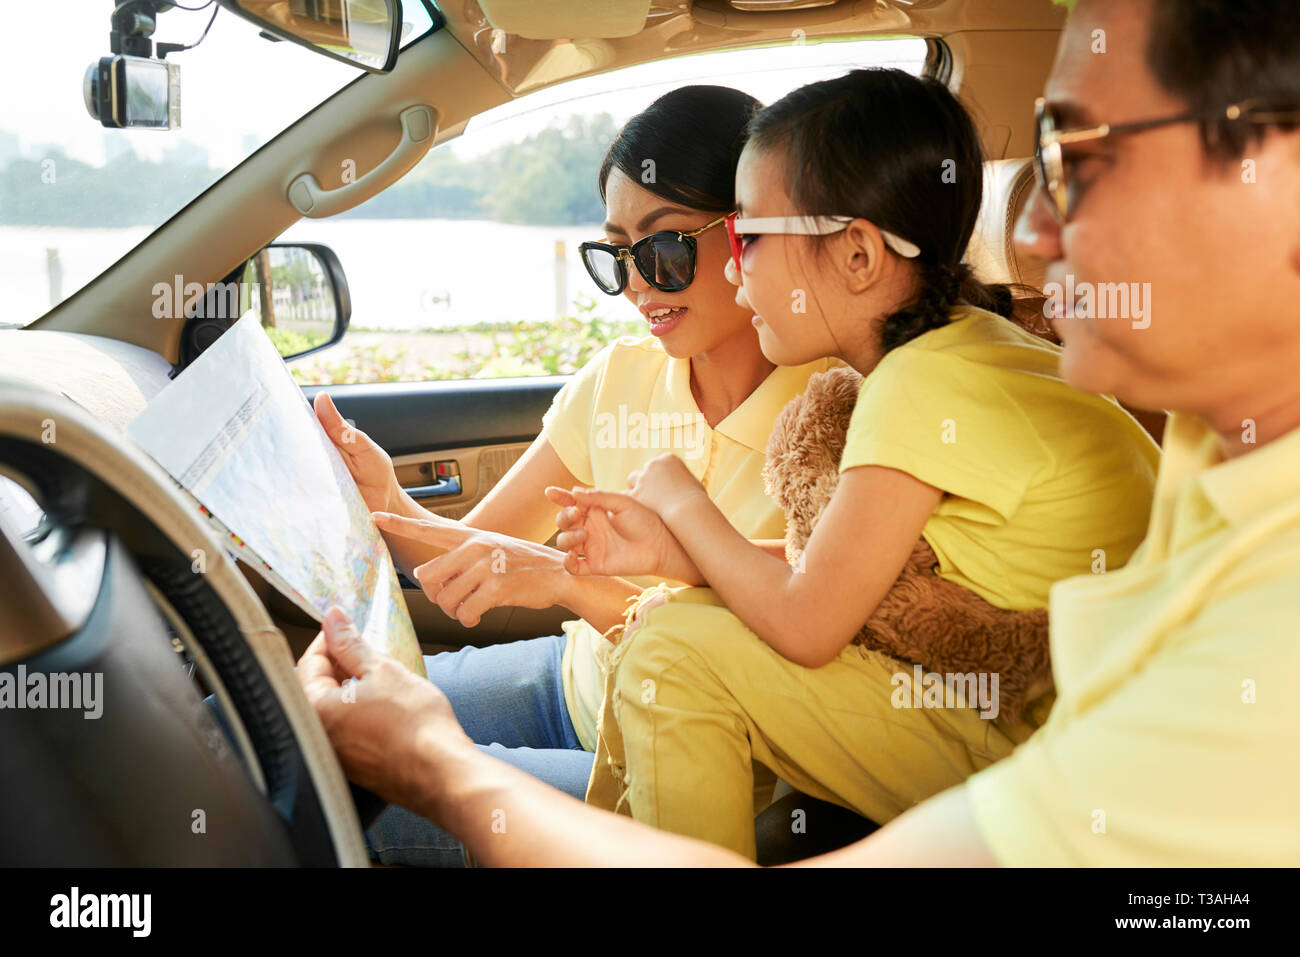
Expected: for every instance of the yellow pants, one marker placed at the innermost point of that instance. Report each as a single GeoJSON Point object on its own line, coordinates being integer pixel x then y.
{"type": "Point", "coordinates": [694, 699]}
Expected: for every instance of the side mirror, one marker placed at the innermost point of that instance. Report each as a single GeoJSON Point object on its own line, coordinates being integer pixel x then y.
{"type": "Point", "coordinates": [364, 33]}
{"type": "Point", "coordinates": [300, 296]}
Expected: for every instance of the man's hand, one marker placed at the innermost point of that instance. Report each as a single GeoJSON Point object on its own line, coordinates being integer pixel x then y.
{"type": "Point", "coordinates": [611, 533]}
{"type": "Point", "coordinates": [481, 570]}
{"type": "Point", "coordinates": [371, 467]}
{"type": "Point", "coordinates": [389, 726]}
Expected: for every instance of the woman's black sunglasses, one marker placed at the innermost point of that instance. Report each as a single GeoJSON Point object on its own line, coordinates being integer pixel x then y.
{"type": "Point", "coordinates": [666, 260]}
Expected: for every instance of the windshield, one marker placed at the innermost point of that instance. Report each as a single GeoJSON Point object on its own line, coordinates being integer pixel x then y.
{"type": "Point", "coordinates": [74, 196]}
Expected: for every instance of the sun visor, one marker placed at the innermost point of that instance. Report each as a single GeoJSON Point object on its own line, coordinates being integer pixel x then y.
{"type": "Point", "coordinates": [566, 19]}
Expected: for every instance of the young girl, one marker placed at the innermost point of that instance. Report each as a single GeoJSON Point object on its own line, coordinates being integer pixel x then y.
{"type": "Point", "coordinates": [856, 199]}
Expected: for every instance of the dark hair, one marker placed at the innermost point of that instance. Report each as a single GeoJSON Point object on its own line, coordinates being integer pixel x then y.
{"type": "Point", "coordinates": [900, 151]}
{"type": "Point", "coordinates": [1212, 53]}
{"type": "Point", "coordinates": [694, 136]}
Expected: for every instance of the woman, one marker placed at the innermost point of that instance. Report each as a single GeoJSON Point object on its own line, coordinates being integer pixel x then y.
{"type": "Point", "coordinates": [699, 386]}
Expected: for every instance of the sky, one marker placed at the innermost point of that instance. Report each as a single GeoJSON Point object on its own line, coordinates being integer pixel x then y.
{"type": "Point", "coordinates": [239, 90]}
{"type": "Point", "coordinates": [233, 85]}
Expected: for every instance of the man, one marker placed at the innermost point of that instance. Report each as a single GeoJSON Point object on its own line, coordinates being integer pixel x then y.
{"type": "Point", "coordinates": [1174, 736]}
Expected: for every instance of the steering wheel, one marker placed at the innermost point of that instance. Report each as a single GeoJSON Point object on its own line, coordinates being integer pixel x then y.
{"type": "Point", "coordinates": [117, 593]}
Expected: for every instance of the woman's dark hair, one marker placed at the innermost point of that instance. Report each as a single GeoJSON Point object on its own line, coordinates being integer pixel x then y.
{"type": "Point", "coordinates": [900, 151]}
{"type": "Point", "coordinates": [684, 146]}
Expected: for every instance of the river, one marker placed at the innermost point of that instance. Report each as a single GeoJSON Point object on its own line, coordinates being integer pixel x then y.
{"type": "Point", "coordinates": [402, 273]}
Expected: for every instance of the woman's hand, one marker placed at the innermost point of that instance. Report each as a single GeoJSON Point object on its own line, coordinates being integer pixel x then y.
{"type": "Point", "coordinates": [611, 533]}
{"type": "Point", "coordinates": [390, 727]}
{"type": "Point", "coordinates": [371, 467]}
{"type": "Point", "coordinates": [481, 570]}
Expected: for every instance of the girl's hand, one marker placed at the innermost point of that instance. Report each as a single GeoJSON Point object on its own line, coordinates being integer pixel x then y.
{"type": "Point", "coordinates": [611, 533]}
{"type": "Point", "coordinates": [370, 465]}
{"type": "Point", "coordinates": [481, 570]}
{"type": "Point", "coordinates": [664, 484]}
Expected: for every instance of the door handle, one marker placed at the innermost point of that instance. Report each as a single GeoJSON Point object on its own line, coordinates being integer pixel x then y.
{"type": "Point", "coordinates": [447, 486]}
{"type": "Point", "coordinates": [311, 200]}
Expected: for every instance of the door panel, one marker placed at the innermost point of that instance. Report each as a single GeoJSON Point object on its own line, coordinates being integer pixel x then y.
{"type": "Point", "coordinates": [455, 479]}
{"type": "Point", "coordinates": [413, 417]}
{"type": "Point", "coordinates": [475, 429]}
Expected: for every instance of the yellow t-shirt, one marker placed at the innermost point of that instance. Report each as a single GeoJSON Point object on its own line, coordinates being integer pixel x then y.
{"type": "Point", "coordinates": [631, 403]}
{"type": "Point", "coordinates": [1175, 739]}
{"type": "Point", "coordinates": [1041, 481]}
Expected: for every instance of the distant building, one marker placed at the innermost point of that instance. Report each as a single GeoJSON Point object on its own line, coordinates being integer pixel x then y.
{"type": "Point", "coordinates": [49, 150]}
{"type": "Point", "coordinates": [9, 148]}
{"type": "Point", "coordinates": [186, 153]}
{"type": "Point", "coordinates": [116, 144]}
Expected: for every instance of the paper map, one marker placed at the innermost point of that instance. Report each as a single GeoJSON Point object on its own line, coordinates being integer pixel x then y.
{"type": "Point", "coordinates": [237, 432]}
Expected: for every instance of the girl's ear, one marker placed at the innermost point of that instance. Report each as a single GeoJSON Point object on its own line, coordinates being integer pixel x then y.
{"type": "Point", "coordinates": [863, 255]}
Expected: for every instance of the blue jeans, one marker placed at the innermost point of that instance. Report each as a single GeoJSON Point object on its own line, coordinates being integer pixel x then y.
{"type": "Point", "coordinates": [510, 700]}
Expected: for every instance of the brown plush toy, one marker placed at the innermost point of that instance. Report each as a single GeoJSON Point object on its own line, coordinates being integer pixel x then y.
{"type": "Point", "coordinates": [923, 619]}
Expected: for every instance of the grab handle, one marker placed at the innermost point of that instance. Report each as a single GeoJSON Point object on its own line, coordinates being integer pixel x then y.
{"type": "Point", "coordinates": [309, 199]}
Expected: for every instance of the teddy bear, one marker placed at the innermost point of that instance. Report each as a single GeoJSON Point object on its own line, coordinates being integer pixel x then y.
{"type": "Point", "coordinates": [924, 619]}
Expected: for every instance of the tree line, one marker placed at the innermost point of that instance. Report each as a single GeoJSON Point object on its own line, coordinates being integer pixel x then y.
{"type": "Point", "coordinates": [546, 179]}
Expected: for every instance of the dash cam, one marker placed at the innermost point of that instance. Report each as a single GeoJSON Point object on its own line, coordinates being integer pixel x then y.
{"type": "Point", "coordinates": [131, 92]}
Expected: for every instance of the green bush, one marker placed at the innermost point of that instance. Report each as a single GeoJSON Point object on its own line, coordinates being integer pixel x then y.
{"type": "Point", "coordinates": [289, 343]}
{"type": "Point", "coordinates": [558, 347]}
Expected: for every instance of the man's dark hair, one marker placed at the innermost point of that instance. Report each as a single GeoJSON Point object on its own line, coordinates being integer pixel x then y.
{"type": "Point", "coordinates": [1212, 53]}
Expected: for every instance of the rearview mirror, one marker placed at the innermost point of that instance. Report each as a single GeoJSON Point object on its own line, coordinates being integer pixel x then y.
{"type": "Point", "coordinates": [361, 32]}
{"type": "Point", "coordinates": [299, 294]}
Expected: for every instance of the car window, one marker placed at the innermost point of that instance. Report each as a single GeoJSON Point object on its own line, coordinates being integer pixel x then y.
{"type": "Point", "coordinates": [468, 266]}
{"type": "Point", "coordinates": [75, 197]}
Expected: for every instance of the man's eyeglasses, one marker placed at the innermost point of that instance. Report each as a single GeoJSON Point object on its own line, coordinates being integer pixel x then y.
{"type": "Point", "coordinates": [1049, 140]}
{"type": "Point", "coordinates": [666, 260]}
{"type": "Point", "coordinates": [738, 228]}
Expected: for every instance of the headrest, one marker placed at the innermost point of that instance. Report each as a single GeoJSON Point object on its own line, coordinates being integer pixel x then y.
{"type": "Point", "coordinates": [1008, 186]}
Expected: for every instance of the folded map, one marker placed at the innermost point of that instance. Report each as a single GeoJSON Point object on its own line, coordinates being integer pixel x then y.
{"type": "Point", "coordinates": [236, 431]}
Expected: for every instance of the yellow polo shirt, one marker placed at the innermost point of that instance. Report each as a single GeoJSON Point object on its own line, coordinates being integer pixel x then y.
{"type": "Point", "coordinates": [1175, 739]}
{"type": "Point", "coordinates": [631, 403]}
{"type": "Point", "coordinates": [1041, 481]}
